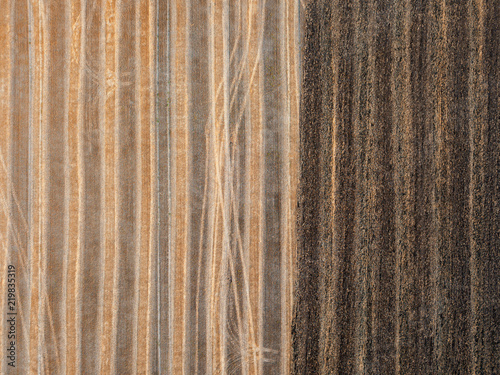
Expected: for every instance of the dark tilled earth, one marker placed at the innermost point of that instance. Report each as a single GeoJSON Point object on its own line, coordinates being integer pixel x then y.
{"type": "Point", "coordinates": [399, 205]}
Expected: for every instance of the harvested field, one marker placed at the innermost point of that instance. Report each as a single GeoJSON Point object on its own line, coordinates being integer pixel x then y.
{"type": "Point", "coordinates": [249, 187]}
{"type": "Point", "coordinates": [150, 158]}
{"type": "Point", "coordinates": [398, 226]}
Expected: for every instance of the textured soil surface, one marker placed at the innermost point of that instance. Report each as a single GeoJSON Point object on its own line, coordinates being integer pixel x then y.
{"type": "Point", "coordinates": [399, 194]}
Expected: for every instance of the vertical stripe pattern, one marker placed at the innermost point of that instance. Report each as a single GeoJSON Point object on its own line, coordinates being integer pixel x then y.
{"type": "Point", "coordinates": [398, 189]}
{"type": "Point", "coordinates": [150, 158]}
{"type": "Point", "coordinates": [78, 188]}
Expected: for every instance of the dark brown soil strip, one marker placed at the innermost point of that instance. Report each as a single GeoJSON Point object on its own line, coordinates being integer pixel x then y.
{"type": "Point", "coordinates": [398, 202]}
